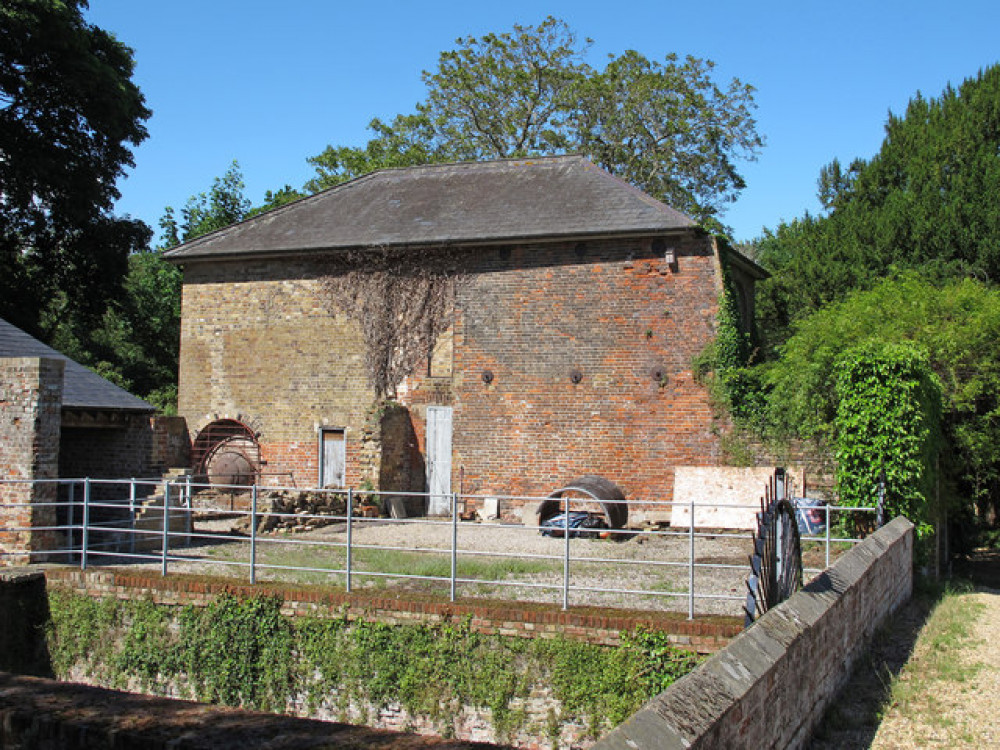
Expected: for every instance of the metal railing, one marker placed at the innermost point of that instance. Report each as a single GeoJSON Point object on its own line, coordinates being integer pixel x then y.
{"type": "Point", "coordinates": [150, 522]}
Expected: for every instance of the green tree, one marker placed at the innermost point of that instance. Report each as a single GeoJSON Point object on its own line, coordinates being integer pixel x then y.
{"type": "Point", "coordinates": [667, 127]}
{"type": "Point", "coordinates": [955, 324]}
{"type": "Point", "coordinates": [930, 199]}
{"type": "Point", "coordinates": [224, 204]}
{"type": "Point", "coordinates": [69, 114]}
{"type": "Point", "coordinates": [136, 342]}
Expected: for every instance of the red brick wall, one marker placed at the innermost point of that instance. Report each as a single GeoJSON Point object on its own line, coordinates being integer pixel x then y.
{"type": "Point", "coordinates": [259, 344]}
{"type": "Point", "coordinates": [30, 405]}
{"type": "Point", "coordinates": [598, 626]}
{"type": "Point", "coordinates": [628, 325]}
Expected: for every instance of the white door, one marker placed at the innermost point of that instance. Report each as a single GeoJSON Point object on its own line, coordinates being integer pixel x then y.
{"type": "Point", "coordinates": [334, 458]}
{"type": "Point", "coordinates": [439, 460]}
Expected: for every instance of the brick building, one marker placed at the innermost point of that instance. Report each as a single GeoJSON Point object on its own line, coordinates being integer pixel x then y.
{"type": "Point", "coordinates": [575, 305]}
{"type": "Point", "coordinates": [59, 420]}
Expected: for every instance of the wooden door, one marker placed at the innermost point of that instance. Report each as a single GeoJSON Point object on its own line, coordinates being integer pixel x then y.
{"type": "Point", "coordinates": [439, 460]}
{"type": "Point", "coordinates": [333, 458]}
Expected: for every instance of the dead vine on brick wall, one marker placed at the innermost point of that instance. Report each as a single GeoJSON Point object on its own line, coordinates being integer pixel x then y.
{"type": "Point", "coordinates": [402, 301]}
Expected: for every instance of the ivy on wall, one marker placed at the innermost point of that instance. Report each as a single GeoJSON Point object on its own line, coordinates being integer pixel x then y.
{"type": "Point", "coordinates": [888, 424]}
{"type": "Point", "coordinates": [246, 653]}
{"type": "Point", "coordinates": [401, 307]}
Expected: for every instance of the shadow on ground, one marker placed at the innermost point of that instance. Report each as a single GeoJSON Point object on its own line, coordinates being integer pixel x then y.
{"type": "Point", "coordinates": [852, 720]}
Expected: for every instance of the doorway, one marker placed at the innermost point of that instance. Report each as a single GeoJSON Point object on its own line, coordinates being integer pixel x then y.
{"type": "Point", "coordinates": [439, 460]}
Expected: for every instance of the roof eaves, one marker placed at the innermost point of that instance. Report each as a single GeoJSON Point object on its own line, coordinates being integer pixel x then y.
{"type": "Point", "coordinates": [538, 239]}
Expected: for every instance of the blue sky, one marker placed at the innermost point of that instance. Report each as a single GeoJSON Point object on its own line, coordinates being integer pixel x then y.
{"type": "Point", "coordinates": [272, 83]}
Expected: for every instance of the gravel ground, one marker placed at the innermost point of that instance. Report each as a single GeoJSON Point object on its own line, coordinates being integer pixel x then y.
{"type": "Point", "coordinates": [638, 566]}
{"type": "Point", "coordinates": [954, 714]}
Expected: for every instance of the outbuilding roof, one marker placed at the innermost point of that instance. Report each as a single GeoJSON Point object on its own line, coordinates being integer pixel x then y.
{"type": "Point", "coordinates": [466, 203]}
{"type": "Point", "coordinates": [82, 388]}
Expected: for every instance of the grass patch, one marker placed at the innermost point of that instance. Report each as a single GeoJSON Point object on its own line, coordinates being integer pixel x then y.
{"type": "Point", "coordinates": [389, 562]}
{"type": "Point", "coordinates": [937, 657]}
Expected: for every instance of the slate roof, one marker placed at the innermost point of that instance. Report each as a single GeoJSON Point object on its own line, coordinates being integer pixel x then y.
{"type": "Point", "coordinates": [466, 203]}
{"type": "Point", "coordinates": [82, 388]}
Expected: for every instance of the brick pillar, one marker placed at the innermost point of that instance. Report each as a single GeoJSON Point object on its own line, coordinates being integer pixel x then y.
{"type": "Point", "coordinates": [30, 419]}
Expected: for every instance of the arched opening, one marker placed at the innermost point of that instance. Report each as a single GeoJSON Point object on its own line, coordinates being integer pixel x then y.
{"type": "Point", "coordinates": [226, 452]}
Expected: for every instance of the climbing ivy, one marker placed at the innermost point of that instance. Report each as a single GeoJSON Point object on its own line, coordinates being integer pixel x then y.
{"type": "Point", "coordinates": [244, 652]}
{"type": "Point", "coordinates": [888, 424]}
{"type": "Point", "coordinates": [724, 365]}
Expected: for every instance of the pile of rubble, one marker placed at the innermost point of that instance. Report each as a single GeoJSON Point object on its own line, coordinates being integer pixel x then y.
{"type": "Point", "coordinates": [293, 510]}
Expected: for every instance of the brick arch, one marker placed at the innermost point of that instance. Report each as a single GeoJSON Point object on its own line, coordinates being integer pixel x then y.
{"type": "Point", "coordinates": [231, 447]}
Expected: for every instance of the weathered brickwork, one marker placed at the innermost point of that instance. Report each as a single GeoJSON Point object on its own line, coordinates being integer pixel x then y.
{"type": "Point", "coordinates": [770, 687]}
{"type": "Point", "coordinates": [599, 626]}
{"type": "Point", "coordinates": [30, 404]}
{"type": "Point", "coordinates": [259, 343]}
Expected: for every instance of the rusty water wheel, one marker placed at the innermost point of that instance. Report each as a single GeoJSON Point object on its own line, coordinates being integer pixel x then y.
{"type": "Point", "coordinates": [776, 562]}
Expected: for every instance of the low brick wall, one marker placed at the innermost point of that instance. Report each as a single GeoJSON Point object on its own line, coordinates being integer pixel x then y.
{"type": "Point", "coordinates": [592, 625]}
{"type": "Point", "coordinates": [42, 713]}
{"type": "Point", "coordinates": [770, 687]}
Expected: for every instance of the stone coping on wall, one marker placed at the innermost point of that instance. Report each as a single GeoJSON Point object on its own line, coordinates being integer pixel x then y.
{"type": "Point", "coordinates": [602, 626]}
{"type": "Point", "coordinates": [770, 686]}
{"type": "Point", "coordinates": [43, 713]}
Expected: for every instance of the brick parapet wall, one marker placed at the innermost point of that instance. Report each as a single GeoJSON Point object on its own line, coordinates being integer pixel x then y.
{"type": "Point", "coordinates": [770, 687]}
{"type": "Point", "coordinates": [30, 418]}
{"type": "Point", "coordinates": [43, 713]}
{"type": "Point", "coordinates": [260, 343]}
{"type": "Point", "coordinates": [598, 626]}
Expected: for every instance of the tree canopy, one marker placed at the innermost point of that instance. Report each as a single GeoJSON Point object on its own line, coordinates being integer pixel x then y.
{"type": "Point", "coordinates": [69, 115]}
{"type": "Point", "coordinates": [930, 199]}
{"type": "Point", "coordinates": [667, 127]}
{"type": "Point", "coordinates": [954, 324]}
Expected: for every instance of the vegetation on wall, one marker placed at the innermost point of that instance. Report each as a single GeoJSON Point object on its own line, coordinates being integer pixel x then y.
{"type": "Point", "coordinates": [246, 653]}
{"type": "Point", "coordinates": [888, 433]}
{"type": "Point", "coordinates": [401, 307]}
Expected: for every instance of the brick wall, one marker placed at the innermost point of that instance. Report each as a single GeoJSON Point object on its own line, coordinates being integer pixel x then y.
{"type": "Point", "coordinates": [117, 452]}
{"type": "Point", "coordinates": [41, 713]}
{"type": "Point", "coordinates": [30, 406]}
{"type": "Point", "coordinates": [591, 625]}
{"type": "Point", "coordinates": [260, 344]}
{"type": "Point", "coordinates": [770, 687]}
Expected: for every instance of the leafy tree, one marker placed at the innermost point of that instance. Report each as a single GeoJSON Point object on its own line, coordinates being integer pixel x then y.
{"type": "Point", "coordinates": [69, 113]}
{"type": "Point", "coordinates": [135, 342]}
{"type": "Point", "coordinates": [667, 127]}
{"type": "Point", "coordinates": [930, 199]}
{"type": "Point", "coordinates": [955, 324]}
{"type": "Point", "coordinates": [223, 205]}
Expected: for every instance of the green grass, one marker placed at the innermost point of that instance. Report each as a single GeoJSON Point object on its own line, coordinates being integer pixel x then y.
{"type": "Point", "coordinates": [390, 562]}
{"type": "Point", "coordinates": [937, 656]}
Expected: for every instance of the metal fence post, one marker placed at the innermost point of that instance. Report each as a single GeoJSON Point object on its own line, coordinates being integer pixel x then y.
{"type": "Point", "coordinates": [691, 561]}
{"type": "Point", "coordinates": [166, 528]}
{"type": "Point", "coordinates": [253, 535]}
{"type": "Point", "coordinates": [131, 513]}
{"type": "Point", "coordinates": [454, 542]}
{"type": "Point", "coordinates": [350, 514]}
{"type": "Point", "coordinates": [71, 517]}
{"type": "Point", "coordinates": [565, 601]}
{"type": "Point", "coordinates": [85, 534]}
{"type": "Point", "coordinates": [828, 534]}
